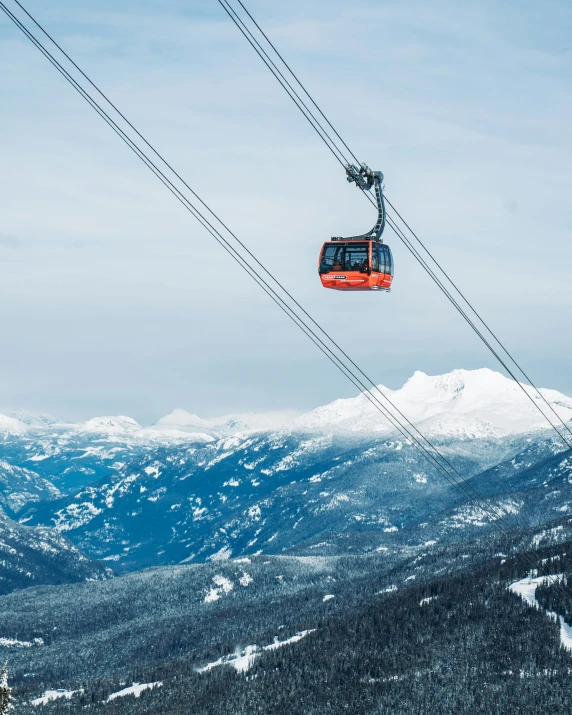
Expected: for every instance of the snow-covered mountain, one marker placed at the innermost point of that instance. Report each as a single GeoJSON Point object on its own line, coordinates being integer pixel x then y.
{"type": "Point", "coordinates": [194, 489]}
{"type": "Point", "coordinates": [10, 426]}
{"type": "Point", "coordinates": [126, 429]}
{"type": "Point", "coordinates": [33, 419]}
{"type": "Point", "coordinates": [270, 493]}
{"type": "Point", "coordinates": [472, 402]}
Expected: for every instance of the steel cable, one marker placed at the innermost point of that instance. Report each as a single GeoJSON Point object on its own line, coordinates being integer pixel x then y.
{"type": "Point", "coordinates": [284, 82]}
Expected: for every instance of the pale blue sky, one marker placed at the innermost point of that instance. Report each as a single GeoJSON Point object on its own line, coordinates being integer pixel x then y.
{"type": "Point", "coordinates": [115, 301]}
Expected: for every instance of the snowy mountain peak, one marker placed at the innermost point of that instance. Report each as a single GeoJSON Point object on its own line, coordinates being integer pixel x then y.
{"type": "Point", "coordinates": [33, 419]}
{"type": "Point", "coordinates": [483, 401]}
{"type": "Point", "coordinates": [106, 425]}
{"type": "Point", "coordinates": [126, 429]}
{"type": "Point", "coordinates": [179, 419]}
{"type": "Point", "coordinates": [456, 381]}
{"type": "Point", "coordinates": [11, 426]}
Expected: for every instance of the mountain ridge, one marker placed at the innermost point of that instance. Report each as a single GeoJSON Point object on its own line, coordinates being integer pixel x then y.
{"type": "Point", "coordinates": [488, 398]}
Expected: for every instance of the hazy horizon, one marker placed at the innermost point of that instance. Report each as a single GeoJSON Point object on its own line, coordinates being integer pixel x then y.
{"type": "Point", "coordinates": [278, 413]}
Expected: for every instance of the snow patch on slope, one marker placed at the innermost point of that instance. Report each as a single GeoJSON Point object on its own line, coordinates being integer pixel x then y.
{"type": "Point", "coordinates": [243, 659]}
{"type": "Point", "coordinates": [14, 643]}
{"type": "Point", "coordinates": [221, 587]}
{"type": "Point", "coordinates": [54, 695]}
{"type": "Point", "coordinates": [136, 689]}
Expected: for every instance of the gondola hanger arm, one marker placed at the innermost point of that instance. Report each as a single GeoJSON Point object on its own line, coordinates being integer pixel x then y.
{"type": "Point", "coordinates": [366, 179]}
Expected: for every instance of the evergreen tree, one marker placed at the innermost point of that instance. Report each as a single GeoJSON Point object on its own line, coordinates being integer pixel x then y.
{"type": "Point", "coordinates": [5, 692]}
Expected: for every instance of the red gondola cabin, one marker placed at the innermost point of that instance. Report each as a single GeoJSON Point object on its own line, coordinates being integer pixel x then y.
{"type": "Point", "coordinates": [356, 265]}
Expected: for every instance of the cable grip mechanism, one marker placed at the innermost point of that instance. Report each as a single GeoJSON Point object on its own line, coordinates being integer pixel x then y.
{"type": "Point", "coordinates": [363, 177]}
{"type": "Point", "coordinates": [366, 179]}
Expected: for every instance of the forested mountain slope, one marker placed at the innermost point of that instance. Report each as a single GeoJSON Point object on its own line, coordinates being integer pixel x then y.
{"type": "Point", "coordinates": [30, 556]}
{"type": "Point", "coordinates": [437, 629]}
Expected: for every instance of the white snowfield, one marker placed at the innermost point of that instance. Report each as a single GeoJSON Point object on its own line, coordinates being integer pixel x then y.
{"type": "Point", "coordinates": [13, 643]}
{"type": "Point", "coordinates": [243, 659]}
{"type": "Point", "coordinates": [54, 695]}
{"type": "Point", "coordinates": [136, 689]}
{"type": "Point", "coordinates": [526, 589]}
{"type": "Point", "coordinates": [462, 403]}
